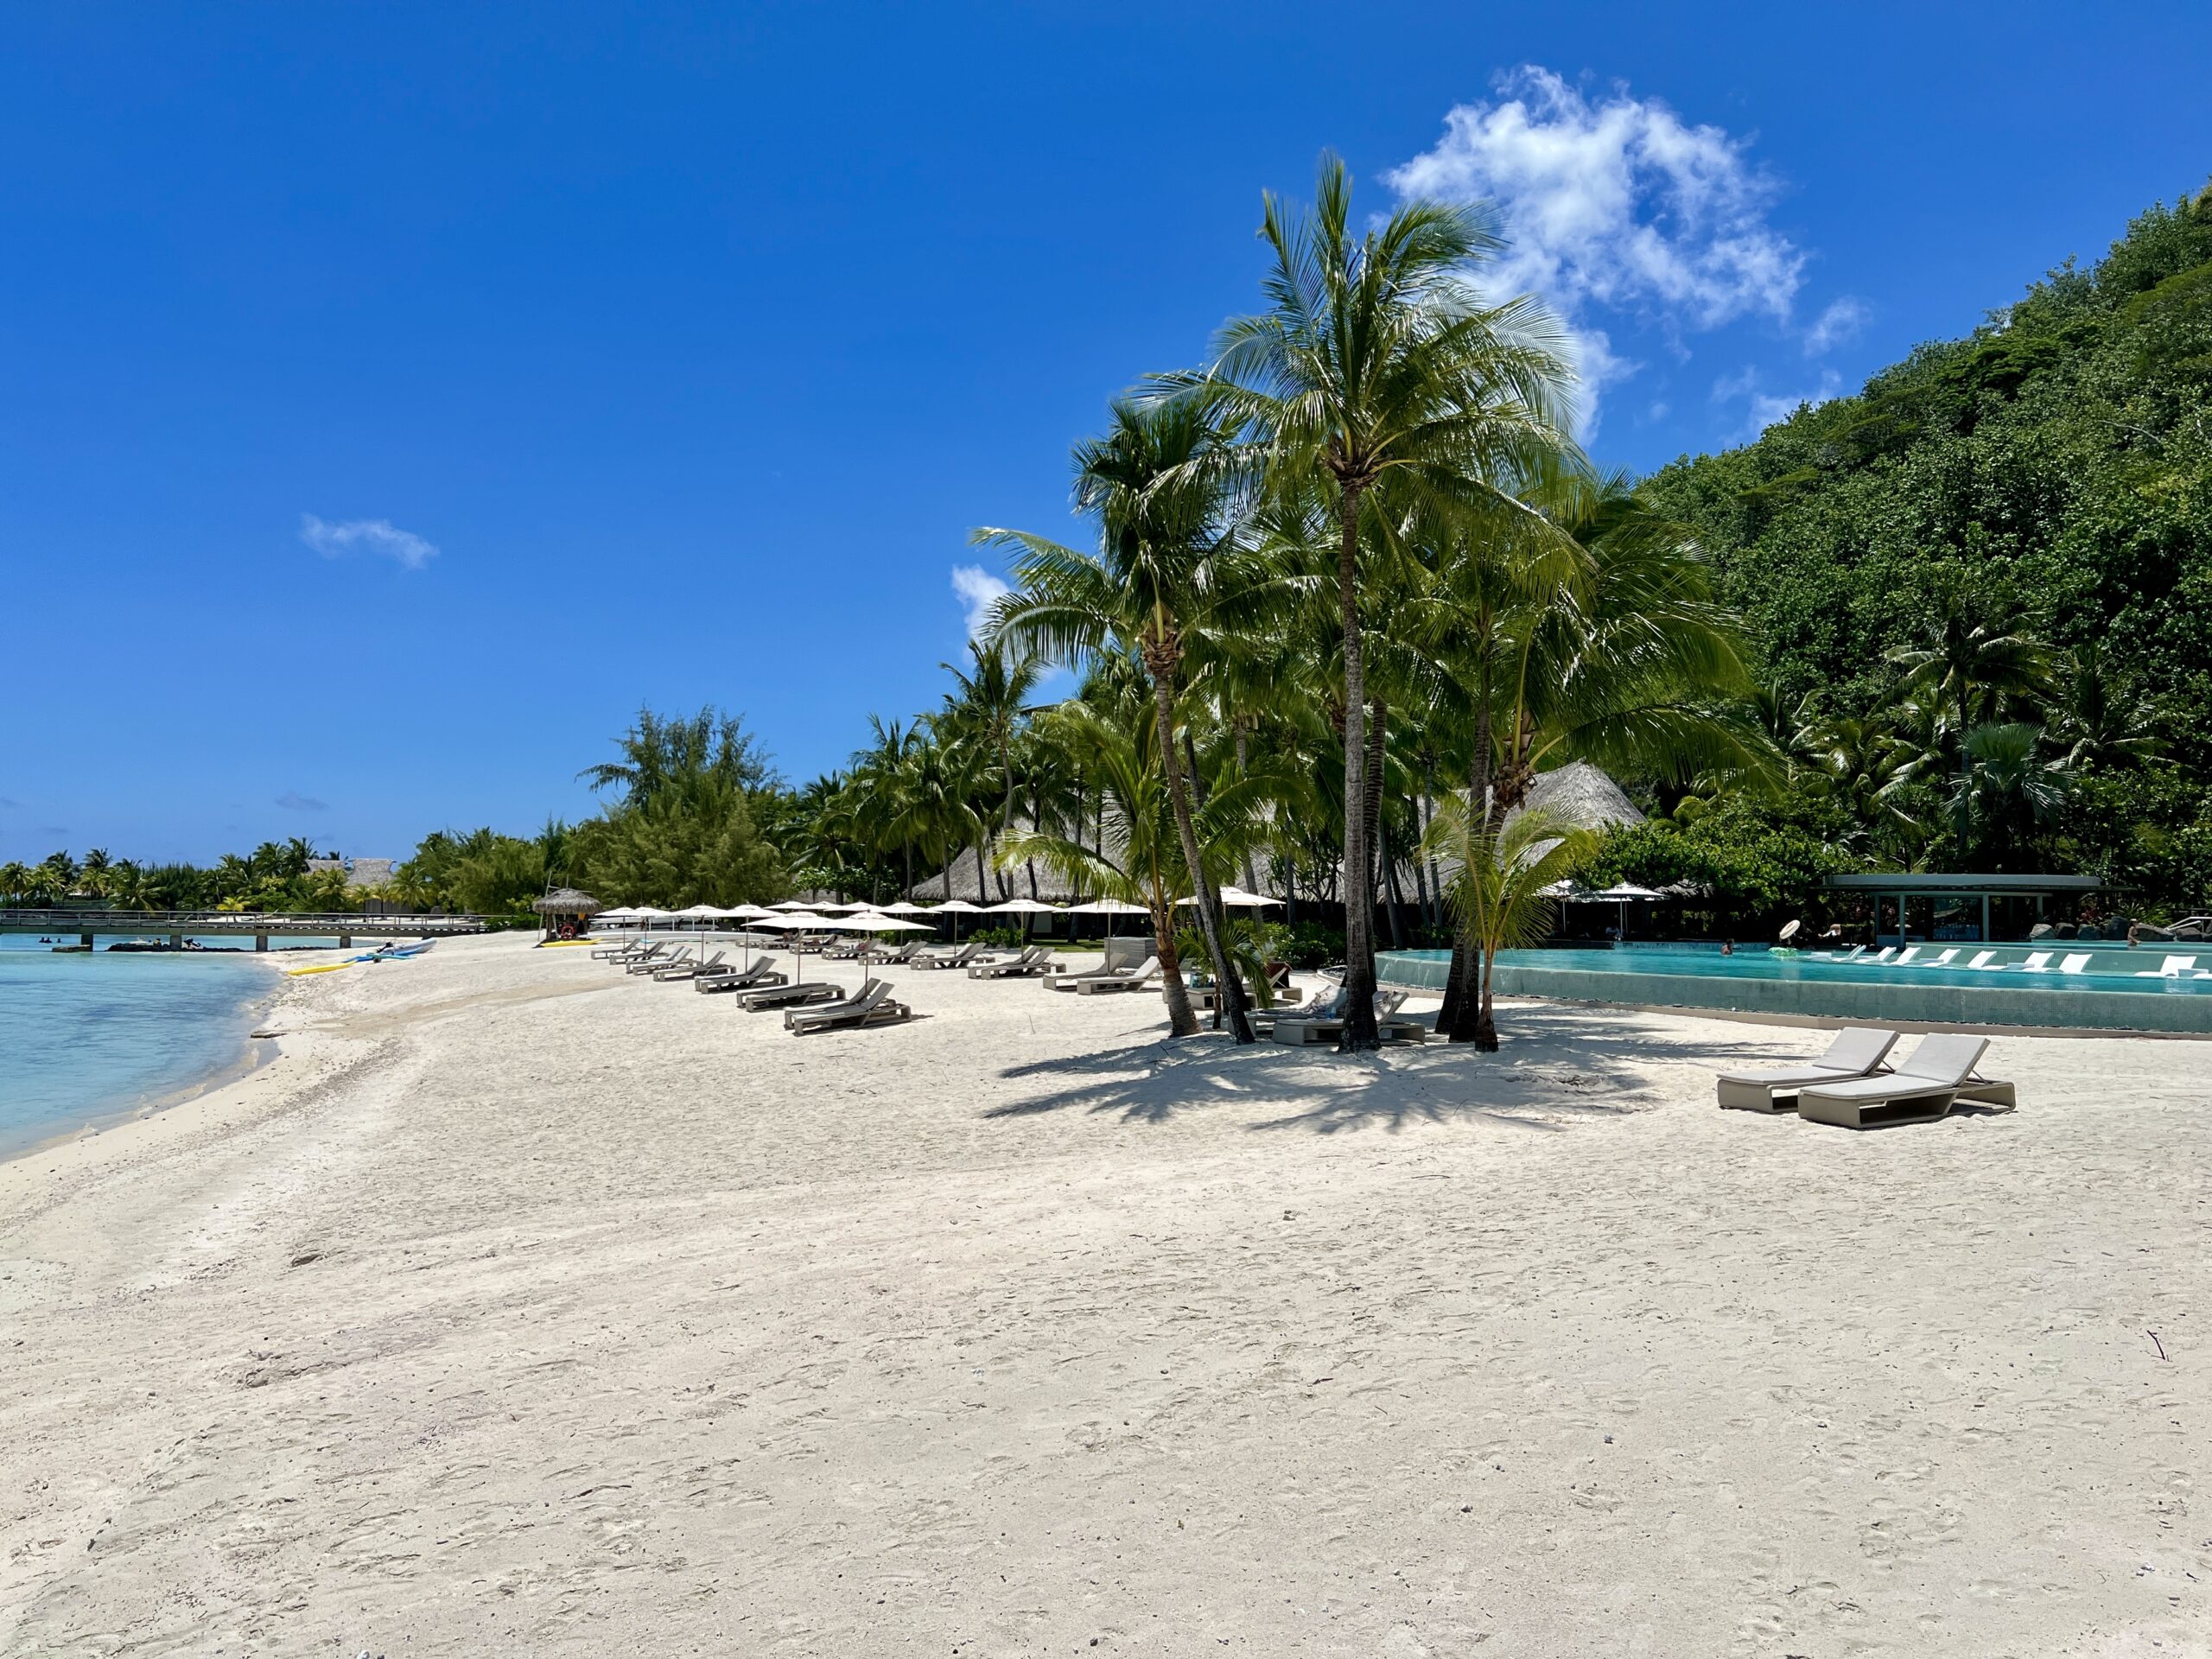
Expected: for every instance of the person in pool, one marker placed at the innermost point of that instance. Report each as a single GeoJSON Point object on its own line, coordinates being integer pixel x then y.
{"type": "Point", "coordinates": [1727, 947]}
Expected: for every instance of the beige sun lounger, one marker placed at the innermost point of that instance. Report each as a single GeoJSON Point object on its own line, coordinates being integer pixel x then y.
{"type": "Point", "coordinates": [784, 996]}
{"type": "Point", "coordinates": [1105, 979]}
{"type": "Point", "coordinates": [960, 958]}
{"type": "Point", "coordinates": [691, 969]}
{"type": "Point", "coordinates": [1935, 1076]}
{"type": "Point", "coordinates": [872, 1006]}
{"type": "Point", "coordinates": [1037, 959]}
{"type": "Point", "coordinates": [1299, 1030]}
{"type": "Point", "coordinates": [758, 976]}
{"type": "Point", "coordinates": [1857, 1051]}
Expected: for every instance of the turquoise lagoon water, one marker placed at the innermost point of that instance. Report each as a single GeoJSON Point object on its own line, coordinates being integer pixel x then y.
{"type": "Point", "coordinates": [2120, 989]}
{"type": "Point", "coordinates": [89, 1037]}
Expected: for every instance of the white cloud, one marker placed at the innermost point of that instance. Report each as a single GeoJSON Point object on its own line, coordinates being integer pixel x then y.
{"type": "Point", "coordinates": [406, 549]}
{"type": "Point", "coordinates": [1618, 203]}
{"type": "Point", "coordinates": [292, 801]}
{"type": "Point", "coordinates": [977, 590]}
{"type": "Point", "coordinates": [1843, 318]}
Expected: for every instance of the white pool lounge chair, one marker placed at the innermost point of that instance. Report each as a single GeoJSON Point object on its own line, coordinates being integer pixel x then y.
{"type": "Point", "coordinates": [2036, 963]}
{"type": "Point", "coordinates": [1943, 960]}
{"type": "Point", "coordinates": [872, 1006]}
{"type": "Point", "coordinates": [1926, 1085]}
{"type": "Point", "coordinates": [2172, 967]}
{"type": "Point", "coordinates": [2074, 963]}
{"type": "Point", "coordinates": [1981, 960]}
{"type": "Point", "coordinates": [1857, 1051]}
{"type": "Point", "coordinates": [1851, 955]}
{"type": "Point", "coordinates": [1907, 955]}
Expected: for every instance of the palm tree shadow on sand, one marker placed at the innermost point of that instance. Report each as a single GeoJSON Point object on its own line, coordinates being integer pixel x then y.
{"type": "Point", "coordinates": [1558, 1065]}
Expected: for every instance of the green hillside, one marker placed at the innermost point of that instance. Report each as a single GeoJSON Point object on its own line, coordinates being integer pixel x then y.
{"type": "Point", "coordinates": [2045, 481]}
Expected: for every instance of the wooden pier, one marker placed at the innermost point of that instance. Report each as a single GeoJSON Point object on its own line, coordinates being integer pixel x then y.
{"type": "Point", "coordinates": [179, 925]}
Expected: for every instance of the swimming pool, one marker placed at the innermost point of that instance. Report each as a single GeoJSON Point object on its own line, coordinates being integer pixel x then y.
{"type": "Point", "coordinates": [2115, 989]}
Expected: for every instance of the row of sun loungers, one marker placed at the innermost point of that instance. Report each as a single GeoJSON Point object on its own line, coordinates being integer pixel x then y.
{"type": "Point", "coordinates": [2036, 961]}
{"type": "Point", "coordinates": [1852, 1086]}
{"type": "Point", "coordinates": [759, 987]}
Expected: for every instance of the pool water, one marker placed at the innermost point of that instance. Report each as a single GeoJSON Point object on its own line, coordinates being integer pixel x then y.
{"type": "Point", "coordinates": [2117, 988]}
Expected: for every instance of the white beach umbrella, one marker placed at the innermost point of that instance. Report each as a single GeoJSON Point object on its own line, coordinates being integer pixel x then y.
{"type": "Point", "coordinates": [956, 908]}
{"type": "Point", "coordinates": [1109, 908]}
{"type": "Point", "coordinates": [794, 905]}
{"type": "Point", "coordinates": [799, 921]}
{"type": "Point", "coordinates": [1620, 892]}
{"type": "Point", "coordinates": [1236, 898]}
{"type": "Point", "coordinates": [900, 907]}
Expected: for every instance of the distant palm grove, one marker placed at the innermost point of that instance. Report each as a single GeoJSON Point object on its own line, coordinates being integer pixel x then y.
{"type": "Point", "coordinates": [1345, 592]}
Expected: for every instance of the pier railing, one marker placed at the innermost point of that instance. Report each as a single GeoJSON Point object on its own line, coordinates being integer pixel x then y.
{"type": "Point", "coordinates": [177, 924]}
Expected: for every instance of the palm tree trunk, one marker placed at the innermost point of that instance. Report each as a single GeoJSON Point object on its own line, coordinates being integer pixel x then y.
{"type": "Point", "coordinates": [1227, 987]}
{"type": "Point", "coordinates": [1486, 1035]}
{"type": "Point", "coordinates": [1181, 1021]}
{"type": "Point", "coordinates": [1243, 766]}
{"type": "Point", "coordinates": [1460, 1018]}
{"type": "Point", "coordinates": [1360, 1031]}
{"type": "Point", "coordinates": [981, 896]}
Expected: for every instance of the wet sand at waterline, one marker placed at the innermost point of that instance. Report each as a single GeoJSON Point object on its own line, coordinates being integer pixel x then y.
{"type": "Point", "coordinates": [522, 1307]}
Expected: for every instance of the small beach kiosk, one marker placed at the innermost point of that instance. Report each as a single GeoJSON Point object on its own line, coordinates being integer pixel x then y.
{"type": "Point", "coordinates": [566, 912]}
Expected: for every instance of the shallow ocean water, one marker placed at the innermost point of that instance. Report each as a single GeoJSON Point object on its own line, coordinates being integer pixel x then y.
{"type": "Point", "coordinates": [87, 1037]}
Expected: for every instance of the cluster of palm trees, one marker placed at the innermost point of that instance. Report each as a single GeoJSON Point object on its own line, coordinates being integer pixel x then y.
{"type": "Point", "coordinates": [1351, 572]}
{"type": "Point", "coordinates": [1984, 738]}
{"type": "Point", "coordinates": [274, 876]}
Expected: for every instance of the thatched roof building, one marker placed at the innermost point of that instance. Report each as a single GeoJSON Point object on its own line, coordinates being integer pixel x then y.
{"type": "Point", "coordinates": [567, 901]}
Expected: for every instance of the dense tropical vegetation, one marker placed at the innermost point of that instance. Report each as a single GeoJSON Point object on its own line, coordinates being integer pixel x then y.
{"type": "Point", "coordinates": [1346, 591]}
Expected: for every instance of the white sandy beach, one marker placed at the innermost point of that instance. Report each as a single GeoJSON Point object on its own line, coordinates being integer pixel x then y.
{"type": "Point", "coordinates": [525, 1308]}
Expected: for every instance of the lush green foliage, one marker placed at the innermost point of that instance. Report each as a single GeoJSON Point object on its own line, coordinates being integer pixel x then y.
{"type": "Point", "coordinates": [2009, 531]}
{"type": "Point", "coordinates": [274, 876]}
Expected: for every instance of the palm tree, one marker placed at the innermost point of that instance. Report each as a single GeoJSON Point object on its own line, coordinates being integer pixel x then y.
{"type": "Point", "coordinates": [1164, 570]}
{"type": "Point", "coordinates": [1376, 365]}
{"type": "Point", "coordinates": [987, 704]}
{"type": "Point", "coordinates": [1502, 891]}
{"type": "Point", "coordinates": [1593, 637]}
{"type": "Point", "coordinates": [2101, 726]}
{"type": "Point", "coordinates": [2003, 785]}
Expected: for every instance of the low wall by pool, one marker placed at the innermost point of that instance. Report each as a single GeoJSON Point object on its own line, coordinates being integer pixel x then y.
{"type": "Point", "coordinates": [1576, 975]}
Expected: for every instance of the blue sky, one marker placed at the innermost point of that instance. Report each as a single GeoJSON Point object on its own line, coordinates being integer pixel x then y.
{"type": "Point", "coordinates": [392, 399]}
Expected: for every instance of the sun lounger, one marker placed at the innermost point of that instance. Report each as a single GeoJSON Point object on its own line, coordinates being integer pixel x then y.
{"type": "Point", "coordinates": [1982, 959]}
{"type": "Point", "coordinates": [1324, 1004]}
{"type": "Point", "coordinates": [960, 958]}
{"type": "Point", "coordinates": [873, 1007]}
{"type": "Point", "coordinates": [613, 949]}
{"type": "Point", "coordinates": [2074, 963]}
{"type": "Point", "coordinates": [1851, 955]}
{"type": "Point", "coordinates": [791, 996]}
{"type": "Point", "coordinates": [1942, 961]}
{"type": "Point", "coordinates": [758, 976]}
{"type": "Point", "coordinates": [654, 964]}
{"type": "Point", "coordinates": [1906, 955]}
{"type": "Point", "coordinates": [2036, 963]}
{"type": "Point", "coordinates": [639, 953]}
{"type": "Point", "coordinates": [1301, 1029]}
{"type": "Point", "coordinates": [2173, 968]}
{"type": "Point", "coordinates": [1106, 979]}
{"type": "Point", "coordinates": [690, 970]}
{"type": "Point", "coordinates": [1857, 1051]}
{"type": "Point", "coordinates": [1935, 1076]}
{"type": "Point", "coordinates": [1037, 959]}
{"type": "Point", "coordinates": [1883, 955]}
{"type": "Point", "coordinates": [887, 953]}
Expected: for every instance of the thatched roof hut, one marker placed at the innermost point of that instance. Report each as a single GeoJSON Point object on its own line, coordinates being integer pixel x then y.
{"type": "Point", "coordinates": [567, 901]}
